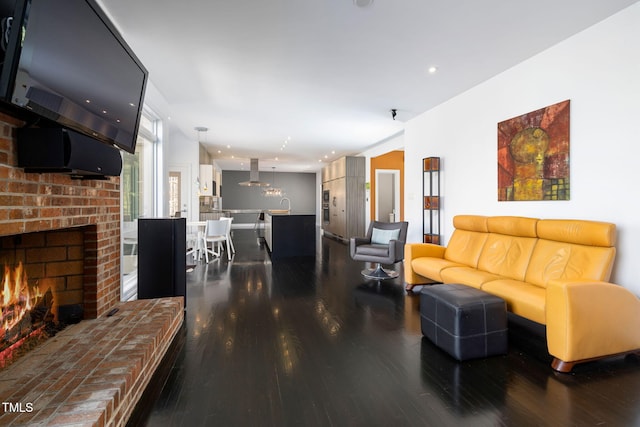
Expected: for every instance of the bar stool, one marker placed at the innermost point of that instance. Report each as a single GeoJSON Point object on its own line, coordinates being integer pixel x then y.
{"type": "Point", "coordinates": [259, 220]}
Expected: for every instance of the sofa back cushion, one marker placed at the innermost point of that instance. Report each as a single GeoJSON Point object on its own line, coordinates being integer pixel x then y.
{"type": "Point", "coordinates": [509, 246]}
{"type": "Point", "coordinates": [467, 240]}
{"type": "Point", "coordinates": [572, 249]}
{"type": "Point", "coordinates": [581, 232]}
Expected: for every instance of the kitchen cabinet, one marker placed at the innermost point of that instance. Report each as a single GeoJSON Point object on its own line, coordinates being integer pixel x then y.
{"type": "Point", "coordinates": [343, 192]}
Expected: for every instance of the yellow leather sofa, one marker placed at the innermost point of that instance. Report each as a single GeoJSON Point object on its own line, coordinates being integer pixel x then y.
{"type": "Point", "coordinates": [552, 271]}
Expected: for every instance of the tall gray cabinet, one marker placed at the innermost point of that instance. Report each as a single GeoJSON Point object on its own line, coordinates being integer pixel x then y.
{"type": "Point", "coordinates": [343, 197]}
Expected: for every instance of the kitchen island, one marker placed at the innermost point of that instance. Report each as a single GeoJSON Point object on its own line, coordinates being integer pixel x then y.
{"type": "Point", "coordinates": [290, 235]}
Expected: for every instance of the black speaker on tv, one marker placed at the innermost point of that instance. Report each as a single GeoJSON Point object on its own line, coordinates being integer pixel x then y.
{"type": "Point", "coordinates": [60, 150]}
{"type": "Point", "coordinates": [162, 258]}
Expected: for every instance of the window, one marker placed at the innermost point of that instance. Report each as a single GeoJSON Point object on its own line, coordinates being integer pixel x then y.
{"type": "Point", "coordinates": [137, 185]}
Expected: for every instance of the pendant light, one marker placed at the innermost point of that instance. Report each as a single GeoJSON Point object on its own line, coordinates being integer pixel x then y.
{"type": "Point", "coordinates": [273, 191]}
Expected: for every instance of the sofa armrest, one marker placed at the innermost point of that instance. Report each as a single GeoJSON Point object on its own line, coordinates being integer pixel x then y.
{"type": "Point", "coordinates": [396, 249]}
{"type": "Point", "coordinates": [591, 319]}
{"type": "Point", "coordinates": [418, 250]}
{"type": "Point", "coordinates": [354, 242]}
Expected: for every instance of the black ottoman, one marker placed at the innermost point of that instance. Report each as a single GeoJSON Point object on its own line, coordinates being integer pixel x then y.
{"type": "Point", "coordinates": [465, 322]}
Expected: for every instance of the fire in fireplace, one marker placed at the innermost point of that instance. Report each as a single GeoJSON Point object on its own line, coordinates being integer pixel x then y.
{"type": "Point", "coordinates": [42, 287]}
{"type": "Point", "coordinates": [27, 314]}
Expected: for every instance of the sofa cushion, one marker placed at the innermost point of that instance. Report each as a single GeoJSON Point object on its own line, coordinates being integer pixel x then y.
{"type": "Point", "coordinates": [465, 247]}
{"type": "Point", "coordinates": [467, 239]}
{"type": "Point", "coordinates": [471, 223]}
{"type": "Point", "coordinates": [513, 225]}
{"type": "Point", "coordinates": [507, 256]}
{"type": "Point", "coordinates": [467, 275]}
{"type": "Point", "coordinates": [523, 299]}
{"type": "Point", "coordinates": [373, 249]}
{"type": "Point", "coordinates": [553, 260]}
{"type": "Point", "coordinates": [580, 232]}
{"type": "Point", "coordinates": [432, 267]}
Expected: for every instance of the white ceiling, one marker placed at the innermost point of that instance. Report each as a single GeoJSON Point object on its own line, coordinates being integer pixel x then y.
{"type": "Point", "coordinates": [324, 74]}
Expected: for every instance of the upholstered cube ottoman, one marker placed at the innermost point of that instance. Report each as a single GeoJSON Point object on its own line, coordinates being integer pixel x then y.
{"type": "Point", "coordinates": [465, 322]}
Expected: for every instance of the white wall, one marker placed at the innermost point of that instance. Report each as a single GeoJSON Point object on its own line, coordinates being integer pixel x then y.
{"type": "Point", "coordinates": [177, 151]}
{"type": "Point", "coordinates": [599, 71]}
{"type": "Point", "coordinates": [184, 156]}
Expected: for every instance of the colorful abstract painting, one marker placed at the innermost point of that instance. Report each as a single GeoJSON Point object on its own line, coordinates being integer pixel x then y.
{"type": "Point", "coordinates": [533, 155]}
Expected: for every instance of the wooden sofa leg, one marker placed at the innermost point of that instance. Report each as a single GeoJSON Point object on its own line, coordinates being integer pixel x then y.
{"type": "Point", "coordinates": [565, 367]}
{"type": "Point", "coordinates": [635, 355]}
{"type": "Point", "coordinates": [409, 286]}
{"type": "Point", "coordinates": [562, 366]}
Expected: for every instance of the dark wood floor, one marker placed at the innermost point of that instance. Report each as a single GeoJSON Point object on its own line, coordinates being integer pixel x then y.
{"type": "Point", "coordinates": [308, 342]}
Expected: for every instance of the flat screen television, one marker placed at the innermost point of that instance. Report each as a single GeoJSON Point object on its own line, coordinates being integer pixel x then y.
{"type": "Point", "coordinates": [66, 62]}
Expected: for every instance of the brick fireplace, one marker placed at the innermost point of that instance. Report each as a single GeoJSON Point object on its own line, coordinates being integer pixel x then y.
{"type": "Point", "coordinates": [66, 233]}
{"type": "Point", "coordinates": [76, 209]}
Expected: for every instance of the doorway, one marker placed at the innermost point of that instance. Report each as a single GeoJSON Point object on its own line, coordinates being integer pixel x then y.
{"type": "Point", "coordinates": [179, 202]}
{"type": "Point", "coordinates": [387, 197]}
{"type": "Point", "coordinates": [175, 195]}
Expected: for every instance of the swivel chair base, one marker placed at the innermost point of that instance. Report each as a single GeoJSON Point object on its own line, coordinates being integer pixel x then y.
{"type": "Point", "coordinates": [379, 273]}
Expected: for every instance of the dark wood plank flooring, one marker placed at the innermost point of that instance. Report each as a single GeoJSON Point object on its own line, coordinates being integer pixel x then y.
{"type": "Point", "coordinates": [308, 342]}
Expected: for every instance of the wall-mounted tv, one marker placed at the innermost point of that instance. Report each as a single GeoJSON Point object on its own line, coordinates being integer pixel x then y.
{"type": "Point", "coordinates": [66, 62]}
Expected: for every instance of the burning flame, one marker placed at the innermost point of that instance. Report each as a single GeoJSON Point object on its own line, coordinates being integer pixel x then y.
{"type": "Point", "coordinates": [17, 298]}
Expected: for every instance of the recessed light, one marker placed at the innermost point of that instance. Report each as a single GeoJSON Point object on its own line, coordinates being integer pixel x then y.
{"type": "Point", "coordinates": [433, 69]}
{"type": "Point", "coordinates": [363, 3]}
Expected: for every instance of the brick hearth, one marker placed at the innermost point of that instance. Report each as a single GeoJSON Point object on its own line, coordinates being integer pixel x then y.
{"type": "Point", "coordinates": [92, 373]}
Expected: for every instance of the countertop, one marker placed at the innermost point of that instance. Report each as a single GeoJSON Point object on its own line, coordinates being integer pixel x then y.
{"type": "Point", "coordinates": [256, 211]}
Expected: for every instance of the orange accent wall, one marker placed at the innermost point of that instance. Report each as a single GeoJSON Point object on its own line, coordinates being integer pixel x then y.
{"type": "Point", "coordinates": [391, 160]}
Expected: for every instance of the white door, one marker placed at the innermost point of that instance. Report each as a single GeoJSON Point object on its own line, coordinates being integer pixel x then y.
{"type": "Point", "coordinates": [387, 207]}
{"type": "Point", "coordinates": [179, 190]}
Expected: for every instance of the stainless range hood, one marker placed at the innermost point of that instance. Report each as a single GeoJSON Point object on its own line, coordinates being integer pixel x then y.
{"type": "Point", "coordinates": [254, 177]}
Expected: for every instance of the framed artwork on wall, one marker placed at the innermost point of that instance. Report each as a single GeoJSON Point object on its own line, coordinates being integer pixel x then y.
{"type": "Point", "coordinates": [533, 155]}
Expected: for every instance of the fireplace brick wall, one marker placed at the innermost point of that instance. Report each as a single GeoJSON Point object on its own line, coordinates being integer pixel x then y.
{"type": "Point", "coordinates": [39, 202]}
